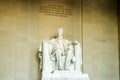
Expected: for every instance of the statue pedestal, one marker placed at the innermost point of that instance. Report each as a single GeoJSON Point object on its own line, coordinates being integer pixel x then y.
{"type": "Point", "coordinates": [64, 75]}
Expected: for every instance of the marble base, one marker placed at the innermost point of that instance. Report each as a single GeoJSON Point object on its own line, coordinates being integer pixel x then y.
{"type": "Point", "coordinates": [65, 75]}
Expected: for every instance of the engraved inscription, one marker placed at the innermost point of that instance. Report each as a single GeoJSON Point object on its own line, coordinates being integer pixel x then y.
{"type": "Point", "coordinates": [55, 10]}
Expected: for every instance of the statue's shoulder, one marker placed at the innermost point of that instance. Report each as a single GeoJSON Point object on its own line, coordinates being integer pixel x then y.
{"type": "Point", "coordinates": [52, 40]}
{"type": "Point", "coordinates": [66, 41]}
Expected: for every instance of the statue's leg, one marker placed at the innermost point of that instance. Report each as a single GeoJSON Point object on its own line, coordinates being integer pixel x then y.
{"type": "Point", "coordinates": [68, 59]}
{"type": "Point", "coordinates": [58, 58]}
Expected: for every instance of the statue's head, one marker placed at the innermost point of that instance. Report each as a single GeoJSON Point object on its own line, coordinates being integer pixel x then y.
{"type": "Point", "coordinates": [59, 32]}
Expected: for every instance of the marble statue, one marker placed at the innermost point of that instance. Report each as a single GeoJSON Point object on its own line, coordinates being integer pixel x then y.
{"type": "Point", "coordinates": [62, 51]}
{"type": "Point", "coordinates": [60, 56]}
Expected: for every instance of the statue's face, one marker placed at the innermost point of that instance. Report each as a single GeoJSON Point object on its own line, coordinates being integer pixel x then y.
{"type": "Point", "coordinates": [60, 32]}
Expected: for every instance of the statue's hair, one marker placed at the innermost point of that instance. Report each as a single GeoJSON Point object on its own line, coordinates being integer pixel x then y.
{"type": "Point", "coordinates": [59, 29]}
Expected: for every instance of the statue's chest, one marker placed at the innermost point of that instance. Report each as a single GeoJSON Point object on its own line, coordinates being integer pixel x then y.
{"type": "Point", "coordinates": [60, 45]}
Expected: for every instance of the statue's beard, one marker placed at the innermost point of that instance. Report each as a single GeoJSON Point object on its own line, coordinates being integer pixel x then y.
{"type": "Point", "coordinates": [60, 37]}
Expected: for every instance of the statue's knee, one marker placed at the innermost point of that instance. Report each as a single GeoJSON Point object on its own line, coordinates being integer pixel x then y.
{"type": "Point", "coordinates": [69, 52]}
{"type": "Point", "coordinates": [57, 50]}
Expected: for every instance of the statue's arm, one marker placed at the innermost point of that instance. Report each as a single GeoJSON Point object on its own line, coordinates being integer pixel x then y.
{"type": "Point", "coordinates": [51, 49]}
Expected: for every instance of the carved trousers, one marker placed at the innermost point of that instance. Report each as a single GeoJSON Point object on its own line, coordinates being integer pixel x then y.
{"type": "Point", "coordinates": [68, 56]}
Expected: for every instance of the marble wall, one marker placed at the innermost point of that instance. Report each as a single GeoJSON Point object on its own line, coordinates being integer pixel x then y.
{"type": "Point", "coordinates": [100, 39]}
{"type": "Point", "coordinates": [119, 30]}
{"type": "Point", "coordinates": [23, 27]}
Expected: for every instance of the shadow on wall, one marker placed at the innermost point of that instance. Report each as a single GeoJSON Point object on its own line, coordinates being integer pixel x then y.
{"type": "Point", "coordinates": [118, 5]}
{"type": "Point", "coordinates": [35, 71]}
{"type": "Point", "coordinates": [38, 62]}
{"type": "Point", "coordinates": [105, 5]}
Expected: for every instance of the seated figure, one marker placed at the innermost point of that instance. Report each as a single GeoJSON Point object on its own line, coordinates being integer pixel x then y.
{"type": "Point", "coordinates": [60, 54]}
{"type": "Point", "coordinates": [62, 50]}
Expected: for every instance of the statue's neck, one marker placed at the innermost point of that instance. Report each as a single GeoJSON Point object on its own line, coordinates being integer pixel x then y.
{"type": "Point", "coordinates": [60, 37]}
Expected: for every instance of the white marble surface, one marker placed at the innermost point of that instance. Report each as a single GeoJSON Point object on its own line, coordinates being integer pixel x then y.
{"type": "Point", "coordinates": [65, 75]}
{"type": "Point", "coordinates": [60, 54]}
{"type": "Point", "coordinates": [61, 59]}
